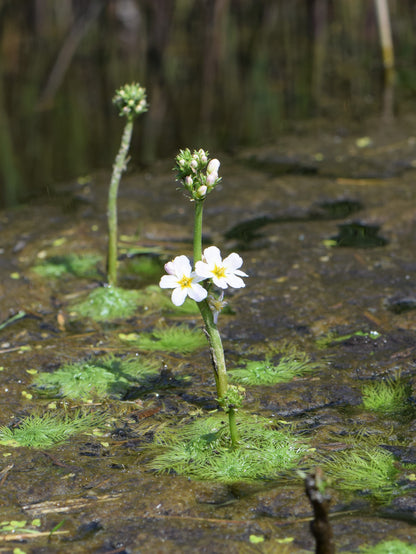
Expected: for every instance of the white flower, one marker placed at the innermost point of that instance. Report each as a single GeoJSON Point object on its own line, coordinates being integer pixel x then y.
{"type": "Point", "coordinates": [223, 273]}
{"type": "Point", "coordinates": [183, 281]}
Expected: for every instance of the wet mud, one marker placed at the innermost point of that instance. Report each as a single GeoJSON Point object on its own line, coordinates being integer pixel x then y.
{"type": "Point", "coordinates": [282, 206]}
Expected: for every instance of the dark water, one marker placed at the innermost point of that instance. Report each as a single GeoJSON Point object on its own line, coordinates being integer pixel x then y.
{"type": "Point", "coordinates": [219, 74]}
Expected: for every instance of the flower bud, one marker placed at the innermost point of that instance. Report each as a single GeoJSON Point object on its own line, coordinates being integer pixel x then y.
{"type": "Point", "coordinates": [211, 178]}
{"type": "Point", "coordinates": [202, 191]}
{"type": "Point", "coordinates": [213, 167]}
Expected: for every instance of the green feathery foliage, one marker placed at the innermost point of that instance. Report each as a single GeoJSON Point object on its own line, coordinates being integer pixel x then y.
{"type": "Point", "coordinates": [387, 397]}
{"type": "Point", "coordinates": [201, 450]}
{"type": "Point", "coordinates": [371, 470]}
{"type": "Point", "coordinates": [177, 338]}
{"type": "Point", "coordinates": [389, 547]}
{"type": "Point", "coordinates": [97, 378]}
{"type": "Point", "coordinates": [332, 338]}
{"type": "Point", "coordinates": [108, 304]}
{"type": "Point", "coordinates": [73, 264]}
{"type": "Point", "coordinates": [267, 372]}
{"type": "Point", "coordinates": [48, 429]}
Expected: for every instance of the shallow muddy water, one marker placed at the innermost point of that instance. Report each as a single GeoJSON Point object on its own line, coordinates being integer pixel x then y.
{"type": "Point", "coordinates": [283, 208]}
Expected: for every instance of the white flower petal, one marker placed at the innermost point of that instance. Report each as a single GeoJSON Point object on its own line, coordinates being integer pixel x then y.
{"type": "Point", "coordinates": [196, 278]}
{"type": "Point", "coordinates": [179, 295]}
{"type": "Point", "coordinates": [241, 273]}
{"type": "Point", "coordinates": [220, 282]}
{"type": "Point", "coordinates": [170, 268]}
{"type": "Point", "coordinates": [182, 266]}
{"type": "Point", "coordinates": [168, 282]}
{"type": "Point", "coordinates": [212, 255]}
{"type": "Point", "coordinates": [197, 293]}
{"type": "Point", "coordinates": [202, 270]}
{"type": "Point", "coordinates": [233, 261]}
{"type": "Point", "coordinates": [235, 282]}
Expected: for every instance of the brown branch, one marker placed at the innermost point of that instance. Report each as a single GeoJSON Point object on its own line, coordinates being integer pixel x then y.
{"type": "Point", "coordinates": [320, 526]}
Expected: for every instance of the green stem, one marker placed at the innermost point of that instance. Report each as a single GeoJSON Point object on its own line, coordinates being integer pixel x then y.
{"type": "Point", "coordinates": [118, 168]}
{"type": "Point", "coordinates": [199, 206]}
{"type": "Point", "coordinates": [233, 427]}
{"type": "Point", "coordinates": [211, 330]}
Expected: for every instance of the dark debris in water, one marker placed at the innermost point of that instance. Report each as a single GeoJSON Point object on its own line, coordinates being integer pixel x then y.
{"type": "Point", "coordinates": [359, 235]}
{"type": "Point", "coordinates": [399, 304]}
{"type": "Point", "coordinates": [249, 230]}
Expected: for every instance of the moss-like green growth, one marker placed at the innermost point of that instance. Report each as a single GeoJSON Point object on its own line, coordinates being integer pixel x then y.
{"type": "Point", "coordinates": [370, 470]}
{"type": "Point", "coordinates": [108, 304]}
{"type": "Point", "coordinates": [269, 372]}
{"type": "Point", "coordinates": [389, 547]}
{"type": "Point", "coordinates": [332, 338]}
{"type": "Point", "coordinates": [177, 338]}
{"type": "Point", "coordinates": [201, 450]}
{"type": "Point", "coordinates": [153, 298]}
{"type": "Point", "coordinates": [48, 429]}
{"type": "Point", "coordinates": [97, 378]}
{"type": "Point", "coordinates": [73, 264]}
{"type": "Point", "coordinates": [387, 397]}
{"type": "Point", "coordinates": [148, 267]}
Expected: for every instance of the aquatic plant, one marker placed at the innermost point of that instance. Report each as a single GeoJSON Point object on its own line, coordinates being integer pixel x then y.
{"type": "Point", "coordinates": [152, 299]}
{"type": "Point", "coordinates": [73, 264]}
{"type": "Point", "coordinates": [332, 338]}
{"type": "Point", "coordinates": [199, 176]}
{"type": "Point", "coordinates": [176, 338]}
{"type": "Point", "coordinates": [148, 267]}
{"type": "Point", "coordinates": [108, 303]}
{"type": "Point", "coordinates": [44, 431]}
{"type": "Point", "coordinates": [131, 102]}
{"type": "Point", "coordinates": [369, 470]}
{"type": "Point", "coordinates": [97, 378]}
{"type": "Point", "coordinates": [389, 547]}
{"type": "Point", "coordinates": [268, 372]}
{"type": "Point", "coordinates": [202, 450]}
{"type": "Point", "coordinates": [390, 396]}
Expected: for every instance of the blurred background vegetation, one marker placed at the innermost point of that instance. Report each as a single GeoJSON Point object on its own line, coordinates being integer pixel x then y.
{"type": "Point", "coordinates": [219, 73]}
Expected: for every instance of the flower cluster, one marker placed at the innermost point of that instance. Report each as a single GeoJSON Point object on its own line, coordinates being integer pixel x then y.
{"type": "Point", "coordinates": [131, 100]}
{"type": "Point", "coordinates": [197, 173]}
{"type": "Point", "coordinates": [184, 281]}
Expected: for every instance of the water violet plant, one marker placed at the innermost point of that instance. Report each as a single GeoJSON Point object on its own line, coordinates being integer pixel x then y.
{"type": "Point", "coordinates": [369, 470]}
{"type": "Point", "coordinates": [44, 431]}
{"type": "Point", "coordinates": [203, 453]}
{"type": "Point", "coordinates": [210, 275]}
{"type": "Point", "coordinates": [178, 338]}
{"type": "Point", "coordinates": [269, 372]}
{"type": "Point", "coordinates": [131, 102]}
{"type": "Point", "coordinates": [387, 397]}
{"type": "Point", "coordinates": [107, 376]}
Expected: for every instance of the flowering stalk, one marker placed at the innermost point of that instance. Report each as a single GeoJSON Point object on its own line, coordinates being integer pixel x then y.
{"type": "Point", "coordinates": [199, 177]}
{"type": "Point", "coordinates": [214, 338]}
{"type": "Point", "coordinates": [131, 101]}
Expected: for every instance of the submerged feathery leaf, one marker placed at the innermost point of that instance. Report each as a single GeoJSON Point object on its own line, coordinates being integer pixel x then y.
{"type": "Point", "coordinates": [48, 429]}
{"type": "Point", "coordinates": [99, 377]}
{"type": "Point", "coordinates": [201, 449]}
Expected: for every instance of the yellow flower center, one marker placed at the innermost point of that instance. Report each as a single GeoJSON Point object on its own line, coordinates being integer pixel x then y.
{"type": "Point", "coordinates": [185, 282]}
{"type": "Point", "coordinates": [219, 271]}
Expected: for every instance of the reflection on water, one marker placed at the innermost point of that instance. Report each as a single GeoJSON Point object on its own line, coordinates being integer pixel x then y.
{"type": "Point", "coordinates": [219, 73]}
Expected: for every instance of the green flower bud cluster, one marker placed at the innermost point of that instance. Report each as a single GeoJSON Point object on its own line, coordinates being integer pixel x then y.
{"type": "Point", "coordinates": [197, 173]}
{"type": "Point", "coordinates": [233, 399]}
{"type": "Point", "coordinates": [131, 100]}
